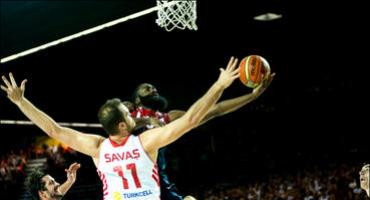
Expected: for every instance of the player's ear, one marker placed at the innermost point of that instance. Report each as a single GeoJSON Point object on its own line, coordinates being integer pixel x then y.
{"type": "Point", "coordinates": [42, 194]}
{"type": "Point", "coordinates": [137, 100]}
{"type": "Point", "coordinates": [122, 126]}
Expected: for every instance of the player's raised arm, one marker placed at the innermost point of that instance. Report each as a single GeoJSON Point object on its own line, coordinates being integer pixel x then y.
{"type": "Point", "coordinates": [84, 143]}
{"type": "Point", "coordinates": [157, 138]}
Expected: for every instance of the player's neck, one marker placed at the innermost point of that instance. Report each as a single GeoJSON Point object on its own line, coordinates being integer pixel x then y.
{"type": "Point", "coordinates": [367, 192]}
{"type": "Point", "coordinates": [119, 137]}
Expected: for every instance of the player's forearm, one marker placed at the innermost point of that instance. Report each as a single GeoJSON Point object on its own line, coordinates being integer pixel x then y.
{"type": "Point", "coordinates": [201, 107]}
{"type": "Point", "coordinates": [231, 105]}
{"type": "Point", "coordinates": [43, 121]}
{"type": "Point", "coordinates": [158, 138]}
{"type": "Point", "coordinates": [228, 106]}
{"type": "Point", "coordinates": [63, 189]}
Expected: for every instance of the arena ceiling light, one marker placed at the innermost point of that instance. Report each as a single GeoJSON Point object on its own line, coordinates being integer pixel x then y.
{"type": "Point", "coordinates": [267, 17]}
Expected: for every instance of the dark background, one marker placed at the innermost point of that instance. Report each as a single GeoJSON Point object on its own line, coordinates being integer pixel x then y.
{"type": "Point", "coordinates": [314, 112]}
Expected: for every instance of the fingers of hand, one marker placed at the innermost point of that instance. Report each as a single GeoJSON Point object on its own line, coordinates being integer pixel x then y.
{"type": "Point", "coordinates": [71, 166]}
{"type": "Point", "coordinates": [12, 80]}
{"type": "Point", "coordinates": [74, 167]}
{"type": "Point", "coordinates": [23, 84]}
{"type": "Point", "coordinates": [235, 76]}
{"type": "Point", "coordinates": [230, 62]}
{"type": "Point", "coordinates": [235, 72]}
{"type": "Point", "coordinates": [231, 66]}
{"type": "Point", "coordinates": [4, 88]}
{"type": "Point", "coordinates": [271, 78]}
{"type": "Point", "coordinates": [234, 64]}
{"type": "Point", "coordinates": [6, 82]}
{"type": "Point", "coordinates": [77, 166]}
{"type": "Point", "coordinates": [266, 82]}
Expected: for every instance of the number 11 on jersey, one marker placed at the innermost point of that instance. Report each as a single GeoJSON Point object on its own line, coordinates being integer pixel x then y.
{"type": "Point", "coordinates": [132, 168]}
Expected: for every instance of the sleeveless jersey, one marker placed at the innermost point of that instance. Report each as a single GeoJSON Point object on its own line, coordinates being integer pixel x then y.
{"type": "Point", "coordinates": [127, 172]}
{"type": "Point", "coordinates": [141, 112]}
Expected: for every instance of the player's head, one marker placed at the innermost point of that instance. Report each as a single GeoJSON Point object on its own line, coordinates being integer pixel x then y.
{"type": "Point", "coordinates": [115, 117]}
{"type": "Point", "coordinates": [129, 105]}
{"type": "Point", "coordinates": [147, 95]}
{"type": "Point", "coordinates": [364, 177]}
{"type": "Point", "coordinates": [43, 186]}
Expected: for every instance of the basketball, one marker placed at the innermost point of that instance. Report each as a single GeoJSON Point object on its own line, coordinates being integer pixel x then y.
{"type": "Point", "coordinates": [252, 70]}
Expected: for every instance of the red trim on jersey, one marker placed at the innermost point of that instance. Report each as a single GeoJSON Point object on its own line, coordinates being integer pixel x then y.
{"type": "Point", "coordinates": [155, 175]}
{"type": "Point", "coordinates": [105, 184]}
{"type": "Point", "coordinates": [114, 144]}
{"type": "Point", "coordinates": [167, 118]}
{"type": "Point", "coordinates": [155, 172]}
{"type": "Point", "coordinates": [156, 180]}
{"type": "Point", "coordinates": [145, 112]}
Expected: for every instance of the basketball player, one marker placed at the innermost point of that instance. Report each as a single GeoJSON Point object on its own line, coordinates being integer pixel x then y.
{"type": "Point", "coordinates": [42, 186]}
{"type": "Point", "coordinates": [126, 163]}
{"type": "Point", "coordinates": [364, 179]}
{"type": "Point", "coordinates": [149, 103]}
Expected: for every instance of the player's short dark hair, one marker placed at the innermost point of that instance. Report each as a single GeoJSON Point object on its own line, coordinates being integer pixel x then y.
{"type": "Point", "coordinates": [35, 183]}
{"type": "Point", "coordinates": [110, 116]}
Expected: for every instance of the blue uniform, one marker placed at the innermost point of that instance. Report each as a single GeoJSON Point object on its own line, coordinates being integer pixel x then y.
{"type": "Point", "coordinates": [168, 189]}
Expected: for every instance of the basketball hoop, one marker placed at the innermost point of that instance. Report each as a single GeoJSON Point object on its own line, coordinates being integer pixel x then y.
{"type": "Point", "coordinates": [177, 14]}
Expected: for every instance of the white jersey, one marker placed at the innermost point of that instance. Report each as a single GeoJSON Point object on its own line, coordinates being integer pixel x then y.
{"type": "Point", "coordinates": [127, 172]}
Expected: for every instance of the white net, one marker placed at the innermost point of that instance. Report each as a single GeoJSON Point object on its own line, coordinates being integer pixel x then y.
{"type": "Point", "coordinates": [177, 14]}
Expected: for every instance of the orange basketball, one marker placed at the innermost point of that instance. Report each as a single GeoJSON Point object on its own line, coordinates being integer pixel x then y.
{"type": "Point", "coordinates": [252, 70]}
